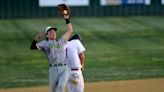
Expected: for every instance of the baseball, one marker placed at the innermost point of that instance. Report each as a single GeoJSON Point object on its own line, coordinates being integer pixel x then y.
{"type": "Point", "coordinates": [65, 12]}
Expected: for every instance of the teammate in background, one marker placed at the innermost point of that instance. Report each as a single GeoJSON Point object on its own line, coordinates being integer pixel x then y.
{"type": "Point", "coordinates": [54, 50]}
{"type": "Point", "coordinates": [75, 60]}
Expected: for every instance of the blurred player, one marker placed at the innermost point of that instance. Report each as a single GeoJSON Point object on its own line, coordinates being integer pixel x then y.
{"type": "Point", "coordinates": [75, 60]}
{"type": "Point", "coordinates": [54, 50]}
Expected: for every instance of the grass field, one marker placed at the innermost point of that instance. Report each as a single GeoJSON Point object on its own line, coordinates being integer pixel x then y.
{"type": "Point", "coordinates": [117, 49]}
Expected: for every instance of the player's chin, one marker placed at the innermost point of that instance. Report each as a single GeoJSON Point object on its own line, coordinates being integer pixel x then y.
{"type": "Point", "coordinates": [52, 38]}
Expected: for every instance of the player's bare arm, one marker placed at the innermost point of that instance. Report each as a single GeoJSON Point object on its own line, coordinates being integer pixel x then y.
{"type": "Point", "coordinates": [69, 28]}
{"type": "Point", "coordinates": [64, 10]}
{"type": "Point", "coordinates": [82, 57]}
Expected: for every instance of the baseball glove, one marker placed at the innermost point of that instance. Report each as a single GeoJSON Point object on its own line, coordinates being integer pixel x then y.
{"type": "Point", "coordinates": [75, 78]}
{"type": "Point", "coordinates": [63, 9]}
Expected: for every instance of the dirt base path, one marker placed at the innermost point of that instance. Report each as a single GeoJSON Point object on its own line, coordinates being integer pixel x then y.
{"type": "Point", "coordinates": [148, 85]}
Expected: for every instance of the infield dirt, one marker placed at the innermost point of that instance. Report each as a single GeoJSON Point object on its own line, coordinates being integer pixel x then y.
{"type": "Point", "coordinates": [147, 85]}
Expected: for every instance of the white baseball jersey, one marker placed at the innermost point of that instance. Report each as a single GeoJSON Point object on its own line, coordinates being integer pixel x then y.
{"type": "Point", "coordinates": [54, 50]}
{"type": "Point", "coordinates": [73, 49]}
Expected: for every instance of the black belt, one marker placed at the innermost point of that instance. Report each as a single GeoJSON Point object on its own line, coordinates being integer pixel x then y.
{"type": "Point", "coordinates": [74, 69]}
{"type": "Point", "coordinates": [57, 65]}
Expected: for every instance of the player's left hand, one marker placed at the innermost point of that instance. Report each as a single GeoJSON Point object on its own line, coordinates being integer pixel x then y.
{"type": "Point", "coordinates": [82, 68]}
{"type": "Point", "coordinates": [66, 16]}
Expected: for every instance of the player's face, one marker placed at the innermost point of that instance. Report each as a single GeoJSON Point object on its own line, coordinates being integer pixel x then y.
{"type": "Point", "coordinates": [51, 35]}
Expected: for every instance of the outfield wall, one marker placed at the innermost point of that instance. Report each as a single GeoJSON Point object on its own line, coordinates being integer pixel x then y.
{"type": "Point", "coordinates": [31, 9]}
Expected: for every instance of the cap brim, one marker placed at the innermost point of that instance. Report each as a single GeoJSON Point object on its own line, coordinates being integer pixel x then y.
{"type": "Point", "coordinates": [50, 29]}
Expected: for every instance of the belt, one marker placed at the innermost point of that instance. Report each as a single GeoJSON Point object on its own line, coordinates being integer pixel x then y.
{"type": "Point", "coordinates": [57, 65]}
{"type": "Point", "coordinates": [74, 69]}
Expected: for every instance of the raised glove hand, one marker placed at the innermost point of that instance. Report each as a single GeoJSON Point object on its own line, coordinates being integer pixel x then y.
{"type": "Point", "coordinates": [64, 10]}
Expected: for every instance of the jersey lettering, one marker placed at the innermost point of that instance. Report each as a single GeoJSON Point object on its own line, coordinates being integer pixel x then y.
{"type": "Point", "coordinates": [54, 46]}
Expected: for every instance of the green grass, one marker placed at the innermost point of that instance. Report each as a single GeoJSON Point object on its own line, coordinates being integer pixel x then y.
{"type": "Point", "coordinates": [118, 48]}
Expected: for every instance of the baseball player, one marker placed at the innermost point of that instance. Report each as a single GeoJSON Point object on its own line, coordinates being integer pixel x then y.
{"type": "Point", "coordinates": [75, 60]}
{"type": "Point", "coordinates": [55, 52]}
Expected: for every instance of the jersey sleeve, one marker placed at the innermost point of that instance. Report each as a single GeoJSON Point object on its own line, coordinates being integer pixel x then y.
{"type": "Point", "coordinates": [62, 41]}
{"type": "Point", "coordinates": [33, 45]}
{"type": "Point", "coordinates": [79, 46]}
{"type": "Point", "coordinates": [41, 45]}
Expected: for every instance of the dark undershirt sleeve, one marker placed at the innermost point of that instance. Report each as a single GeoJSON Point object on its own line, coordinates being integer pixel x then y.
{"type": "Point", "coordinates": [33, 45]}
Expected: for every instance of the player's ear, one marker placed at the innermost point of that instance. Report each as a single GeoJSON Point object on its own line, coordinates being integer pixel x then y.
{"type": "Point", "coordinates": [46, 37]}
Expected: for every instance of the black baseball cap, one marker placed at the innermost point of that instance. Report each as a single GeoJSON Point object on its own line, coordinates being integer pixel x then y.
{"type": "Point", "coordinates": [76, 37]}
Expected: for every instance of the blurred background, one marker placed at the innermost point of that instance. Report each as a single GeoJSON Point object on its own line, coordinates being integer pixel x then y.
{"type": "Point", "coordinates": [45, 8]}
{"type": "Point", "coordinates": [123, 38]}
